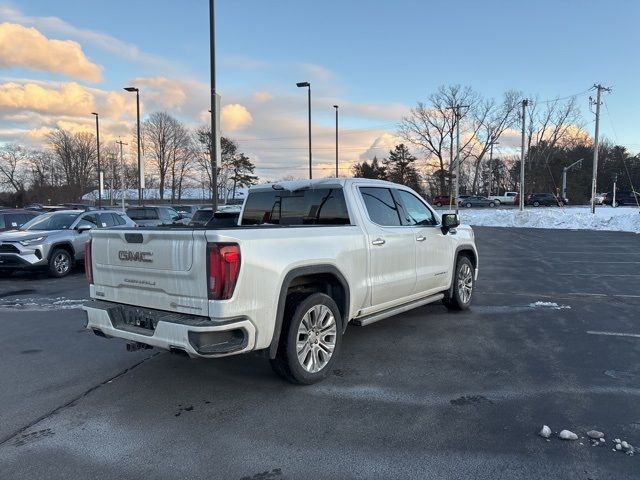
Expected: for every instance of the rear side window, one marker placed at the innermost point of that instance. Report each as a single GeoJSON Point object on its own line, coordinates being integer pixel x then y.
{"type": "Point", "coordinates": [118, 219]}
{"type": "Point", "coordinates": [380, 206]}
{"type": "Point", "coordinates": [322, 206]}
{"type": "Point", "coordinates": [106, 220]}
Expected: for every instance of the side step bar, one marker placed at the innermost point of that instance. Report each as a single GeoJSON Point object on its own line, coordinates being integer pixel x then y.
{"type": "Point", "coordinates": [369, 319]}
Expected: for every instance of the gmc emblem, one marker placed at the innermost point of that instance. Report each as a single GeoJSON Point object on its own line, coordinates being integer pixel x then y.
{"type": "Point", "coordinates": [129, 256]}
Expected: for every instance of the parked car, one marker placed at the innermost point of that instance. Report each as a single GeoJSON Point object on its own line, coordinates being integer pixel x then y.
{"type": "Point", "coordinates": [440, 200]}
{"type": "Point", "coordinates": [540, 199]}
{"type": "Point", "coordinates": [507, 198]}
{"type": "Point", "coordinates": [54, 241]}
{"type": "Point", "coordinates": [288, 280]}
{"type": "Point", "coordinates": [186, 211]}
{"type": "Point", "coordinates": [78, 206]}
{"type": "Point", "coordinates": [600, 198]}
{"type": "Point", "coordinates": [622, 198]}
{"type": "Point", "coordinates": [12, 219]}
{"type": "Point", "coordinates": [226, 216]}
{"type": "Point", "coordinates": [476, 201]}
{"type": "Point", "coordinates": [152, 216]}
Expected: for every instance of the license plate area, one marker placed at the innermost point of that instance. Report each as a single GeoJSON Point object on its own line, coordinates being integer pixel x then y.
{"type": "Point", "coordinates": [134, 319]}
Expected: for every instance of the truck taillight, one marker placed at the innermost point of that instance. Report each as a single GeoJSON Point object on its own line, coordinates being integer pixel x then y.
{"type": "Point", "coordinates": [88, 268]}
{"type": "Point", "coordinates": [223, 267]}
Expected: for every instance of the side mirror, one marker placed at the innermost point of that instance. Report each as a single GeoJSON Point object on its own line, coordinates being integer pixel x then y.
{"type": "Point", "coordinates": [449, 221]}
{"type": "Point", "coordinates": [83, 228]}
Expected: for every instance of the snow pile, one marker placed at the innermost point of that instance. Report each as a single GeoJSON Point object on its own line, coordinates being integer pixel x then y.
{"type": "Point", "coordinates": [621, 219]}
{"type": "Point", "coordinates": [552, 305]}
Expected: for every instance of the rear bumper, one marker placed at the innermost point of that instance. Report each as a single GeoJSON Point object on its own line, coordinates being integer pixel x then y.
{"type": "Point", "coordinates": [203, 338]}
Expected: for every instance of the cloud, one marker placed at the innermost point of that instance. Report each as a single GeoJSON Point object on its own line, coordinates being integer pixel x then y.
{"type": "Point", "coordinates": [107, 43]}
{"type": "Point", "coordinates": [262, 96]}
{"type": "Point", "coordinates": [28, 48]}
{"type": "Point", "coordinates": [381, 146]}
{"type": "Point", "coordinates": [235, 117]}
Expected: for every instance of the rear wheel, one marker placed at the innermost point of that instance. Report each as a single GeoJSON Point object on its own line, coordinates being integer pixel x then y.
{"type": "Point", "coordinates": [491, 204]}
{"type": "Point", "coordinates": [616, 203]}
{"type": "Point", "coordinates": [468, 205]}
{"type": "Point", "coordinates": [60, 263]}
{"type": "Point", "coordinates": [536, 204]}
{"type": "Point", "coordinates": [459, 297]}
{"type": "Point", "coordinates": [309, 346]}
{"type": "Point", "coordinates": [439, 204]}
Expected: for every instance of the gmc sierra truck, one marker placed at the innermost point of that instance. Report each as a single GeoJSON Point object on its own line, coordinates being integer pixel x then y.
{"type": "Point", "coordinates": [305, 259]}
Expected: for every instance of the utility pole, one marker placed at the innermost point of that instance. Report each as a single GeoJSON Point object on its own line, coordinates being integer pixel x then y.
{"type": "Point", "coordinates": [122, 190]}
{"type": "Point", "coordinates": [214, 130]}
{"type": "Point", "coordinates": [491, 167]}
{"type": "Point", "coordinates": [599, 88]}
{"type": "Point", "coordinates": [456, 189]}
{"type": "Point", "coordinates": [525, 103]}
{"type": "Point", "coordinates": [615, 179]}
{"type": "Point", "coordinates": [336, 107]}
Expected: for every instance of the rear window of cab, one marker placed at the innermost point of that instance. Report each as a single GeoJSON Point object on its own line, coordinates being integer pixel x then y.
{"type": "Point", "coordinates": [322, 206]}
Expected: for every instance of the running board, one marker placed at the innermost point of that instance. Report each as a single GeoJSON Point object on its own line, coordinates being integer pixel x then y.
{"type": "Point", "coordinates": [369, 319]}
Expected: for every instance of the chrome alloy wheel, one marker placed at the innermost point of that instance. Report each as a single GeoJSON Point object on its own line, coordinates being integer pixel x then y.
{"type": "Point", "coordinates": [61, 263]}
{"type": "Point", "coordinates": [316, 338]}
{"type": "Point", "coordinates": [465, 283]}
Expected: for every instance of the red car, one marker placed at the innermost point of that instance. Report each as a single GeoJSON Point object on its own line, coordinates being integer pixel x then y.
{"type": "Point", "coordinates": [440, 200]}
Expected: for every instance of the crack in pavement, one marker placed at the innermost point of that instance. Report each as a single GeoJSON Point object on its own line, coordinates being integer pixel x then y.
{"type": "Point", "coordinates": [75, 399]}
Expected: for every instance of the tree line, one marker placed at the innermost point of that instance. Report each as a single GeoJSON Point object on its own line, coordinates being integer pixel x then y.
{"type": "Point", "coordinates": [175, 157]}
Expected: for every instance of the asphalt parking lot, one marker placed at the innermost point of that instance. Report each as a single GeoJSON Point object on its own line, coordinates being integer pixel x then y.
{"type": "Point", "coordinates": [427, 394]}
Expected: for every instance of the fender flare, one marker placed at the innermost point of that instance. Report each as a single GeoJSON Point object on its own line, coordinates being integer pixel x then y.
{"type": "Point", "coordinates": [62, 244]}
{"type": "Point", "coordinates": [461, 248]}
{"type": "Point", "coordinates": [282, 298]}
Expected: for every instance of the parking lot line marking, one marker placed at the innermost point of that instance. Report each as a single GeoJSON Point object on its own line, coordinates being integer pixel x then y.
{"type": "Point", "coordinates": [614, 334]}
{"type": "Point", "coordinates": [599, 275]}
{"type": "Point", "coordinates": [560, 295]}
{"type": "Point", "coordinates": [591, 261]}
{"type": "Point", "coordinates": [599, 252]}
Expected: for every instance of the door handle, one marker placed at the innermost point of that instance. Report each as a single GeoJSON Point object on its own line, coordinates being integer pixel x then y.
{"type": "Point", "coordinates": [378, 241]}
{"type": "Point", "coordinates": [421, 238]}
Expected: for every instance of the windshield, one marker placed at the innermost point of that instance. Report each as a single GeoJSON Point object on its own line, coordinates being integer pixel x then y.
{"type": "Point", "coordinates": [51, 221]}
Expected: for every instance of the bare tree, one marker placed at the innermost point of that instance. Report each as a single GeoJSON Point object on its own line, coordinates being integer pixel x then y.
{"type": "Point", "coordinates": [13, 167]}
{"type": "Point", "coordinates": [157, 131]}
{"type": "Point", "coordinates": [181, 156]}
{"type": "Point", "coordinates": [75, 155]}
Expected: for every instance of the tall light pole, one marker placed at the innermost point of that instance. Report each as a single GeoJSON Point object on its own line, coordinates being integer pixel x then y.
{"type": "Point", "coordinates": [456, 111]}
{"type": "Point", "coordinates": [525, 103]}
{"type": "Point", "coordinates": [140, 166]}
{"type": "Point", "coordinates": [214, 125]}
{"type": "Point", "coordinates": [336, 107]}
{"type": "Point", "coordinates": [308, 85]}
{"type": "Point", "coordinates": [564, 178]}
{"type": "Point", "coordinates": [99, 170]}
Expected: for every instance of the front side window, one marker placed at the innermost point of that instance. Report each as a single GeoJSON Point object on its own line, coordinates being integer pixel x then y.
{"type": "Point", "coordinates": [381, 207]}
{"type": "Point", "coordinates": [51, 221]}
{"type": "Point", "coordinates": [322, 206]}
{"type": "Point", "coordinates": [413, 211]}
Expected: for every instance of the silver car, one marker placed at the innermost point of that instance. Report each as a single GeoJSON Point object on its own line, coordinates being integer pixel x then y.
{"type": "Point", "coordinates": [54, 241]}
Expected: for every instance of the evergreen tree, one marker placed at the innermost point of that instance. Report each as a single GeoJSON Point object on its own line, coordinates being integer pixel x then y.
{"type": "Point", "coordinates": [370, 170]}
{"type": "Point", "coordinates": [401, 169]}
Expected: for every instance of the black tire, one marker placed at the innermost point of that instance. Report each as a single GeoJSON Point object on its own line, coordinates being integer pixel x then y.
{"type": "Point", "coordinates": [455, 299]}
{"type": "Point", "coordinates": [468, 205]}
{"type": "Point", "coordinates": [439, 204]}
{"type": "Point", "coordinates": [60, 263]}
{"type": "Point", "coordinates": [6, 273]}
{"type": "Point", "coordinates": [287, 363]}
{"type": "Point", "coordinates": [536, 204]}
{"type": "Point", "coordinates": [616, 204]}
{"type": "Point", "coordinates": [491, 204]}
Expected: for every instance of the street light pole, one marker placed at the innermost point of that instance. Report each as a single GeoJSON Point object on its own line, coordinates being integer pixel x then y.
{"type": "Point", "coordinates": [336, 107]}
{"type": "Point", "coordinates": [213, 160]}
{"type": "Point", "coordinates": [140, 166]}
{"type": "Point", "coordinates": [525, 103]}
{"type": "Point", "coordinates": [308, 85]}
{"type": "Point", "coordinates": [99, 170]}
{"type": "Point", "coordinates": [564, 178]}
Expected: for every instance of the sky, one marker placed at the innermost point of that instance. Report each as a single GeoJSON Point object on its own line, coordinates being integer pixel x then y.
{"type": "Point", "coordinates": [62, 60]}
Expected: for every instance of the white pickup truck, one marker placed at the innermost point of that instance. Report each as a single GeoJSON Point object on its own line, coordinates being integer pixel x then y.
{"type": "Point", "coordinates": [306, 259]}
{"type": "Point", "coordinates": [508, 198]}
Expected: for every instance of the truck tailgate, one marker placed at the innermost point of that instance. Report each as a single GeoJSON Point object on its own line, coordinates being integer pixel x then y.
{"type": "Point", "coordinates": [160, 269]}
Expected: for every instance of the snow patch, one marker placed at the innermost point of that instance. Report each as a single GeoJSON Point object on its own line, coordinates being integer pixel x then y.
{"type": "Point", "coordinates": [621, 219]}
{"type": "Point", "coordinates": [551, 305]}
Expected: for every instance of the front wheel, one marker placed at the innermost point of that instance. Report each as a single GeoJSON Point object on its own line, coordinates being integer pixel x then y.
{"type": "Point", "coordinates": [491, 204]}
{"type": "Point", "coordinates": [536, 204]}
{"type": "Point", "coordinates": [616, 204]}
{"type": "Point", "coordinates": [459, 297]}
{"type": "Point", "coordinates": [311, 343]}
{"type": "Point", "coordinates": [60, 263]}
{"type": "Point", "coordinates": [439, 204]}
{"type": "Point", "coordinates": [468, 205]}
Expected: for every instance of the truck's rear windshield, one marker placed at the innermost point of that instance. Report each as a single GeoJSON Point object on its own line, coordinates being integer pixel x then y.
{"type": "Point", "coordinates": [322, 206]}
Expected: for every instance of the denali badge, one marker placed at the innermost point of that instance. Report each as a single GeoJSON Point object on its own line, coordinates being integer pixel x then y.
{"type": "Point", "coordinates": [129, 256]}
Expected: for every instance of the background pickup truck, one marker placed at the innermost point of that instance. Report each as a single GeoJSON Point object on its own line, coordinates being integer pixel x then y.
{"type": "Point", "coordinates": [508, 198]}
{"type": "Point", "coordinates": [305, 259]}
